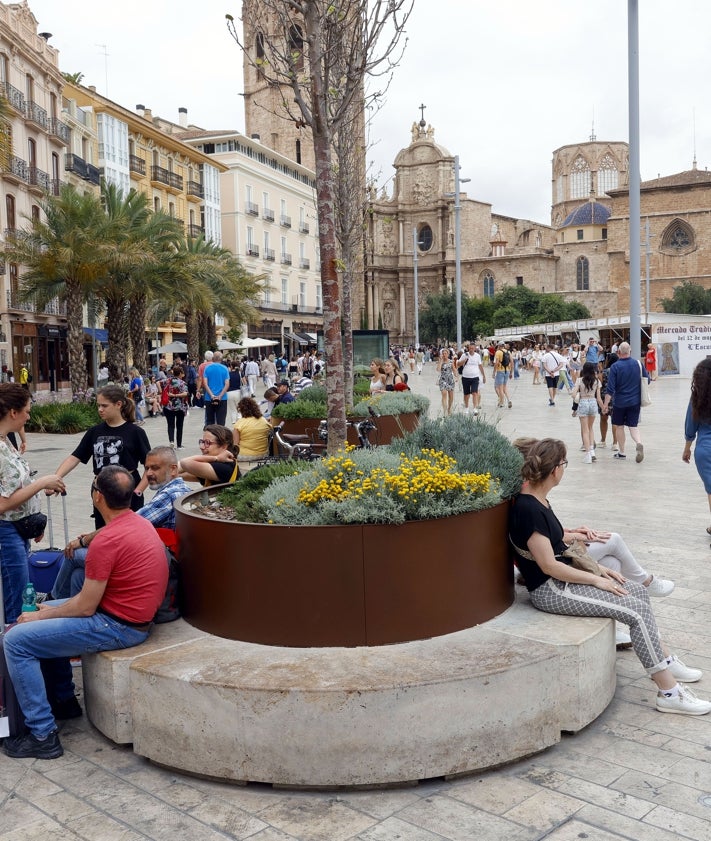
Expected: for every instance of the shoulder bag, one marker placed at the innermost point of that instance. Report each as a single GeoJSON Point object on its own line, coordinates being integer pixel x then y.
{"type": "Point", "coordinates": [577, 552]}
{"type": "Point", "coordinates": [644, 398]}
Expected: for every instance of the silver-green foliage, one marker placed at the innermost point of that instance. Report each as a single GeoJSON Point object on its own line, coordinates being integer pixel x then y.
{"type": "Point", "coordinates": [393, 403]}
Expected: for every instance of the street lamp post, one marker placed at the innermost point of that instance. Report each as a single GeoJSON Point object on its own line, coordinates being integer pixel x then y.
{"type": "Point", "coordinates": [458, 248]}
{"type": "Point", "coordinates": [634, 174]}
{"type": "Point", "coordinates": [417, 301]}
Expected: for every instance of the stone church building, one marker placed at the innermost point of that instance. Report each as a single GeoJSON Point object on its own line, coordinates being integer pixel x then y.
{"type": "Point", "coordinates": [582, 254]}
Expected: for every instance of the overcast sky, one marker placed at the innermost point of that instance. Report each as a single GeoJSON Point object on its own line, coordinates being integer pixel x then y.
{"type": "Point", "coordinates": [505, 83]}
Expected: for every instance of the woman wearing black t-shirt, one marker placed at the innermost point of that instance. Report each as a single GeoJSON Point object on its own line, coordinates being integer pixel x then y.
{"type": "Point", "coordinates": [555, 586]}
{"type": "Point", "coordinates": [116, 440]}
{"type": "Point", "coordinates": [217, 462]}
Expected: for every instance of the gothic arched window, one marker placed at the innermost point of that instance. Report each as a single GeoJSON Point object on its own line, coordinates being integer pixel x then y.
{"type": "Point", "coordinates": [487, 278]}
{"type": "Point", "coordinates": [678, 238]}
{"type": "Point", "coordinates": [582, 274]}
{"type": "Point", "coordinates": [607, 175]}
{"type": "Point", "coordinates": [580, 179]}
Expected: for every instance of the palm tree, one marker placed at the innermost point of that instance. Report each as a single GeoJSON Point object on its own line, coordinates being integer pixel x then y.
{"type": "Point", "coordinates": [65, 255]}
{"type": "Point", "coordinates": [142, 240]}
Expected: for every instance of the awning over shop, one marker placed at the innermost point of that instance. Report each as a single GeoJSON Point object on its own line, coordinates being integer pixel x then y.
{"type": "Point", "coordinates": [305, 338]}
{"type": "Point", "coordinates": [97, 333]}
{"type": "Point", "coordinates": [293, 337]}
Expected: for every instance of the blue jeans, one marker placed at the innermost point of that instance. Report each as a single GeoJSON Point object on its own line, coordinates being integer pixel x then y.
{"type": "Point", "coordinates": [14, 569]}
{"type": "Point", "coordinates": [57, 638]}
{"type": "Point", "coordinates": [70, 578]}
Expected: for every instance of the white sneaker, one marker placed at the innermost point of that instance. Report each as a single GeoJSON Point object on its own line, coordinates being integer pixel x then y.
{"type": "Point", "coordinates": [615, 448]}
{"type": "Point", "coordinates": [622, 638]}
{"type": "Point", "coordinates": [683, 673]}
{"type": "Point", "coordinates": [685, 703]}
{"type": "Point", "coordinates": [592, 455]}
{"type": "Point", "coordinates": [588, 458]}
{"type": "Point", "coordinates": [660, 587]}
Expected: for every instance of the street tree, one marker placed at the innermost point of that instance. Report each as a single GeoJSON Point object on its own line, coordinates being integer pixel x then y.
{"type": "Point", "coordinates": [324, 51]}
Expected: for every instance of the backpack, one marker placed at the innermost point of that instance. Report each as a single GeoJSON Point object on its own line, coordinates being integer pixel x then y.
{"type": "Point", "coordinates": [169, 609]}
{"type": "Point", "coordinates": [506, 359]}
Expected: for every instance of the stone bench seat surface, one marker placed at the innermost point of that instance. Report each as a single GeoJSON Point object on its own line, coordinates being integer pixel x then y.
{"type": "Point", "coordinates": [354, 716]}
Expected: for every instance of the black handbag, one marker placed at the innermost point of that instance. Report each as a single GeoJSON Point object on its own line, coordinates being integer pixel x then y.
{"type": "Point", "coordinates": [31, 526]}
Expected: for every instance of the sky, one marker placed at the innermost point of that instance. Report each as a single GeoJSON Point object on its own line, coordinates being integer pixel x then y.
{"type": "Point", "coordinates": [504, 83]}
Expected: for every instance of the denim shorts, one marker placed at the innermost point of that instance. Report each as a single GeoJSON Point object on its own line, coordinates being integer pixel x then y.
{"type": "Point", "coordinates": [587, 407]}
{"type": "Point", "coordinates": [501, 377]}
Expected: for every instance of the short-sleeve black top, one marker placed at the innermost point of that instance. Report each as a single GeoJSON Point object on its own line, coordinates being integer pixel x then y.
{"type": "Point", "coordinates": [126, 445]}
{"type": "Point", "coordinates": [529, 516]}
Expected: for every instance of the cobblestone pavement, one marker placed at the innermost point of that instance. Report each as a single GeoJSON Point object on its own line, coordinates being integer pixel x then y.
{"type": "Point", "coordinates": [633, 773]}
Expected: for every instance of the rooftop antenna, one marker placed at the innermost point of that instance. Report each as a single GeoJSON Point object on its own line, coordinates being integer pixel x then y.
{"type": "Point", "coordinates": [106, 68]}
{"type": "Point", "coordinates": [693, 115]}
{"type": "Point", "coordinates": [593, 138]}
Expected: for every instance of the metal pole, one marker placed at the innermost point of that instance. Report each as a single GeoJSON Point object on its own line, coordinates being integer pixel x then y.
{"type": "Point", "coordinates": [634, 174]}
{"type": "Point", "coordinates": [417, 302]}
{"type": "Point", "coordinates": [457, 253]}
{"type": "Point", "coordinates": [647, 255]}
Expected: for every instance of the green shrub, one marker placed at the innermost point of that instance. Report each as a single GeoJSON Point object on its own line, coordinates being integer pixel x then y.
{"type": "Point", "coordinates": [300, 409]}
{"type": "Point", "coordinates": [243, 497]}
{"type": "Point", "coordinates": [62, 418]}
{"type": "Point", "coordinates": [314, 393]}
{"type": "Point", "coordinates": [477, 446]}
{"type": "Point", "coordinates": [361, 387]}
{"type": "Point", "coordinates": [393, 403]}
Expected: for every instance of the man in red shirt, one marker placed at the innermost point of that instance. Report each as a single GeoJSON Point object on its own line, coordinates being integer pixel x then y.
{"type": "Point", "coordinates": [126, 579]}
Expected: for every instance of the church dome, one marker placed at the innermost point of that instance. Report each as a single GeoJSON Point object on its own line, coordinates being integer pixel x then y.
{"type": "Point", "coordinates": [590, 213]}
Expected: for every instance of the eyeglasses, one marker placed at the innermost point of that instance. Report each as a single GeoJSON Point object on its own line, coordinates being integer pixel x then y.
{"type": "Point", "coordinates": [563, 463]}
{"type": "Point", "coordinates": [94, 488]}
{"type": "Point", "coordinates": [205, 442]}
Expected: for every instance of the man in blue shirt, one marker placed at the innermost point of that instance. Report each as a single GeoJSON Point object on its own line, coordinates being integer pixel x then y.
{"type": "Point", "coordinates": [624, 391]}
{"type": "Point", "coordinates": [216, 384]}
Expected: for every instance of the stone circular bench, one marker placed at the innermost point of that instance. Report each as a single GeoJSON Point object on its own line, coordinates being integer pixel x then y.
{"type": "Point", "coordinates": [354, 716]}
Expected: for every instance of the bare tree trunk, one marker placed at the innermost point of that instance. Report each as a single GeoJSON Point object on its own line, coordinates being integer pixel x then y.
{"type": "Point", "coordinates": [192, 328]}
{"type": "Point", "coordinates": [116, 354]}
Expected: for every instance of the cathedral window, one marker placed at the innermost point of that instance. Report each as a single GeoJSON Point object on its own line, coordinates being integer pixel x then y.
{"type": "Point", "coordinates": [259, 46]}
{"type": "Point", "coordinates": [607, 175]}
{"type": "Point", "coordinates": [678, 238]}
{"type": "Point", "coordinates": [487, 278]}
{"type": "Point", "coordinates": [296, 46]}
{"type": "Point", "coordinates": [582, 274]}
{"type": "Point", "coordinates": [580, 179]}
{"type": "Point", "coordinates": [424, 238]}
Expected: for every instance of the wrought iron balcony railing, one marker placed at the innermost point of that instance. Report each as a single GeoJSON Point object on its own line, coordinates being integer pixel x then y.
{"type": "Point", "coordinates": [269, 254]}
{"type": "Point", "coordinates": [59, 129]}
{"type": "Point", "coordinates": [36, 114]}
{"type": "Point", "coordinates": [195, 231]}
{"type": "Point", "coordinates": [267, 214]}
{"type": "Point", "coordinates": [165, 176]}
{"type": "Point", "coordinates": [136, 164]}
{"type": "Point", "coordinates": [195, 189]}
{"type": "Point", "coordinates": [38, 178]}
{"type": "Point", "coordinates": [253, 250]}
{"type": "Point", "coordinates": [286, 259]}
{"type": "Point", "coordinates": [17, 167]}
{"type": "Point", "coordinates": [14, 97]}
{"type": "Point", "coordinates": [285, 221]}
{"type": "Point", "coordinates": [304, 263]}
{"type": "Point", "coordinates": [73, 163]}
{"type": "Point", "coordinates": [251, 208]}
{"type": "Point", "coordinates": [93, 174]}
{"type": "Point", "coordinates": [303, 227]}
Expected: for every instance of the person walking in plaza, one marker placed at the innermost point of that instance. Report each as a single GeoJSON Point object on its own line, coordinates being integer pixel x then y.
{"type": "Point", "coordinates": [604, 416]}
{"type": "Point", "coordinates": [117, 440]}
{"type": "Point", "coordinates": [471, 370]}
{"type": "Point", "coordinates": [586, 393]}
{"type": "Point", "coordinates": [135, 389]}
{"type": "Point", "coordinates": [697, 425]}
{"type": "Point", "coordinates": [624, 388]}
{"type": "Point", "coordinates": [216, 384]}
{"type": "Point", "coordinates": [552, 363]}
{"type": "Point", "coordinates": [126, 579]}
{"type": "Point", "coordinates": [18, 497]}
{"type": "Point", "coordinates": [556, 586]}
{"type": "Point", "coordinates": [447, 379]}
{"type": "Point", "coordinates": [650, 361]}
{"type": "Point", "coordinates": [177, 406]}
{"type": "Point", "coordinates": [503, 372]}
{"type": "Point", "coordinates": [251, 372]}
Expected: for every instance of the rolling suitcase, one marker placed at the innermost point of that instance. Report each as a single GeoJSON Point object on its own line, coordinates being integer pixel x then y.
{"type": "Point", "coordinates": [12, 722]}
{"type": "Point", "coordinates": [44, 564]}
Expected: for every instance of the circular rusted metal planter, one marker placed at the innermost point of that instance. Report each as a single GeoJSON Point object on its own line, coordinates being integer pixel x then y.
{"type": "Point", "coordinates": [307, 586]}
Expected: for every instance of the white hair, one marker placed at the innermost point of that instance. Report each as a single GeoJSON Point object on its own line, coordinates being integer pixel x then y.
{"type": "Point", "coordinates": [208, 355]}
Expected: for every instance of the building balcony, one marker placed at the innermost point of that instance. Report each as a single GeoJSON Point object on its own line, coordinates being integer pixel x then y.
{"type": "Point", "coordinates": [160, 175]}
{"type": "Point", "coordinates": [281, 307]}
{"type": "Point", "coordinates": [286, 259]}
{"type": "Point", "coordinates": [253, 251]}
{"type": "Point", "coordinates": [56, 186]}
{"type": "Point", "coordinates": [14, 97]}
{"type": "Point", "coordinates": [196, 231]}
{"type": "Point", "coordinates": [269, 254]}
{"type": "Point", "coordinates": [10, 234]}
{"type": "Point", "coordinates": [195, 191]}
{"type": "Point", "coordinates": [305, 263]}
{"type": "Point", "coordinates": [59, 131]}
{"type": "Point", "coordinates": [35, 114]}
{"type": "Point", "coordinates": [285, 221]}
{"type": "Point", "coordinates": [267, 214]}
{"type": "Point", "coordinates": [93, 174]}
{"type": "Point", "coordinates": [15, 303]}
{"type": "Point", "coordinates": [251, 208]}
{"type": "Point", "coordinates": [136, 164]}
{"type": "Point", "coordinates": [38, 179]}
{"type": "Point", "coordinates": [303, 227]}
{"type": "Point", "coordinates": [15, 170]}
{"type": "Point", "coordinates": [73, 163]}
{"type": "Point", "coordinates": [56, 307]}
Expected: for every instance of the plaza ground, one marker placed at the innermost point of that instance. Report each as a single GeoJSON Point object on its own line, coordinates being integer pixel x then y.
{"type": "Point", "coordinates": [634, 773]}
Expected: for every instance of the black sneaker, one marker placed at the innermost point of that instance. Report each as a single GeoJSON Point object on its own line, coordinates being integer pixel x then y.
{"type": "Point", "coordinates": [66, 708]}
{"type": "Point", "coordinates": [30, 747]}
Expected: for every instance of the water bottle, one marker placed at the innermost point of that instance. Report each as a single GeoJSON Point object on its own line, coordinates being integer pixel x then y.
{"type": "Point", "coordinates": [29, 598]}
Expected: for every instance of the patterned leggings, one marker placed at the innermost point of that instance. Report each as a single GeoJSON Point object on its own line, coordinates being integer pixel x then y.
{"type": "Point", "coordinates": [585, 600]}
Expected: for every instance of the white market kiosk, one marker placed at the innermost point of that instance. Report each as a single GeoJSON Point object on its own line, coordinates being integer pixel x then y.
{"type": "Point", "coordinates": [682, 341]}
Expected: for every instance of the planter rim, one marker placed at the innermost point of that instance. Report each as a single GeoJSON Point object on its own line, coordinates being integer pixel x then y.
{"type": "Point", "coordinates": [179, 505]}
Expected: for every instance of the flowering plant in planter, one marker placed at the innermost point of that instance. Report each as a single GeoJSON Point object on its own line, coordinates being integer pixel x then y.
{"type": "Point", "coordinates": [362, 486]}
{"type": "Point", "coordinates": [446, 466]}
